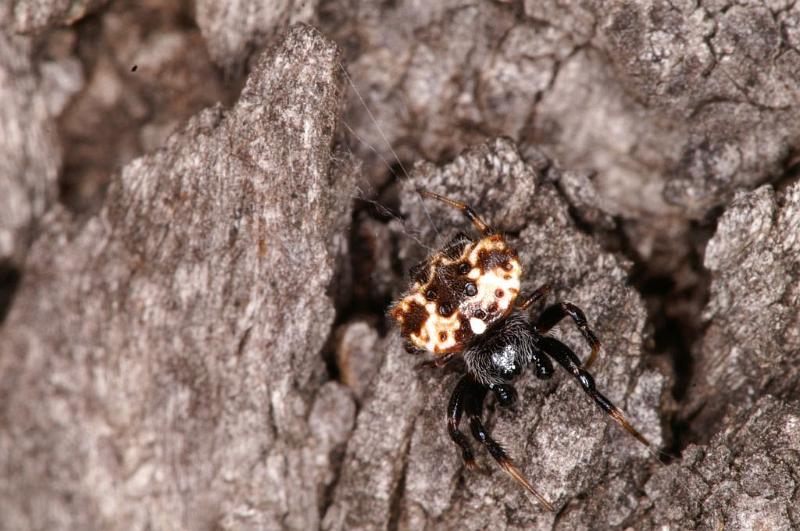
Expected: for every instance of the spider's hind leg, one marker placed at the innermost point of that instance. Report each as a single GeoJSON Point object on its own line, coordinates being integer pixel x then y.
{"type": "Point", "coordinates": [556, 312]}
{"type": "Point", "coordinates": [474, 395]}
{"type": "Point", "coordinates": [567, 359]}
{"type": "Point", "coordinates": [455, 410]}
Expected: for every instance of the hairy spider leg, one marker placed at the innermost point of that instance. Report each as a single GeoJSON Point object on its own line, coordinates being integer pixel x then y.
{"type": "Point", "coordinates": [553, 314]}
{"type": "Point", "coordinates": [526, 300]}
{"type": "Point", "coordinates": [567, 359]}
{"type": "Point", "coordinates": [465, 209]}
{"type": "Point", "coordinates": [473, 396]}
{"type": "Point", "coordinates": [455, 410]}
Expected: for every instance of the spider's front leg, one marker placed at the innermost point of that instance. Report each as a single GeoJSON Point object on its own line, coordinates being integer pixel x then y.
{"type": "Point", "coordinates": [468, 398]}
{"type": "Point", "coordinates": [438, 362]}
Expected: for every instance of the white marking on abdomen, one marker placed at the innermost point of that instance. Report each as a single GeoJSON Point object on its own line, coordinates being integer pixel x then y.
{"type": "Point", "coordinates": [478, 326]}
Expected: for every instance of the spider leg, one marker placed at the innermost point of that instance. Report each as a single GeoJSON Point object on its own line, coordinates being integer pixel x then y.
{"type": "Point", "coordinates": [527, 300]}
{"type": "Point", "coordinates": [567, 359]}
{"type": "Point", "coordinates": [411, 349]}
{"type": "Point", "coordinates": [436, 363]}
{"type": "Point", "coordinates": [455, 410]}
{"type": "Point", "coordinates": [474, 408]}
{"type": "Point", "coordinates": [465, 209]}
{"type": "Point", "coordinates": [553, 314]}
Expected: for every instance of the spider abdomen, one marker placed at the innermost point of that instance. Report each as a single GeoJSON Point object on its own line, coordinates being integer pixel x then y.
{"type": "Point", "coordinates": [458, 293]}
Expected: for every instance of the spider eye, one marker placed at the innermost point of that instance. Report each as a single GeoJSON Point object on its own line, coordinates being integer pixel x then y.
{"type": "Point", "coordinates": [430, 294]}
{"type": "Point", "coordinates": [444, 310]}
{"type": "Point", "coordinates": [480, 314]}
{"type": "Point", "coordinates": [470, 289]}
{"type": "Point", "coordinates": [463, 268]}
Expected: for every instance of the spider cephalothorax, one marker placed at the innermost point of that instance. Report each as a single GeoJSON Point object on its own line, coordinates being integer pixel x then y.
{"type": "Point", "coordinates": [464, 301]}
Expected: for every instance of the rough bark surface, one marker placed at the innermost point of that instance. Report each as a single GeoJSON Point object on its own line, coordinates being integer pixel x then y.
{"type": "Point", "coordinates": [752, 344]}
{"type": "Point", "coordinates": [29, 152]}
{"type": "Point", "coordinates": [25, 16]}
{"type": "Point", "coordinates": [638, 91]}
{"type": "Point", "coordinates": [257, 23]}
{"type": "Point", "coordinates": [198, 338]}
{"type": "Point", "coordinates": [146, 73]}
{"type": "Point", "coordinates": [671, 105]}
{"type": "Point", "coordinates": [161, 367]}
{"type": "Point", "coordinates": [745, 478]}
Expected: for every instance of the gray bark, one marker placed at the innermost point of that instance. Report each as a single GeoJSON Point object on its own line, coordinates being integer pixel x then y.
{"type": "Point", "coordinates": [204, 344]}
{"type": "Point", "coordinates": [745, 478]}
{"type": "Point", "coordinates": [161, 364]}
{"type": "Point", "coordinates": [25, 16]}
{"type": "Point", "coordinates": [752, 344]}
{"type": "Point", "coordinates": [257, 23]}
{"type": "Point", "coordinates": [29, 150]}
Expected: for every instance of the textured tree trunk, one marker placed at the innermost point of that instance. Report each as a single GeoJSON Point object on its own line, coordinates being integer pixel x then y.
{"type": "Point", "coordinates": [197, 340]}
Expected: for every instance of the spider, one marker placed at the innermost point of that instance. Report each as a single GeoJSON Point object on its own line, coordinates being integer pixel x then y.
{"type": "Point", "coordinates": [464, 301]}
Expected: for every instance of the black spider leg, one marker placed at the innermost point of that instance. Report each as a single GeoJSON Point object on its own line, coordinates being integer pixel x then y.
{"type": "Point", "coordinates": [465, 209]}
{"type": "Point", "coordinates": [455, 410]}
{"type": "Point", "coordinates": [567, 359]}
{"type": "Point", "coordinates": [471, 395]}
{"type": "Point", "coordinates": [553, 314]}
